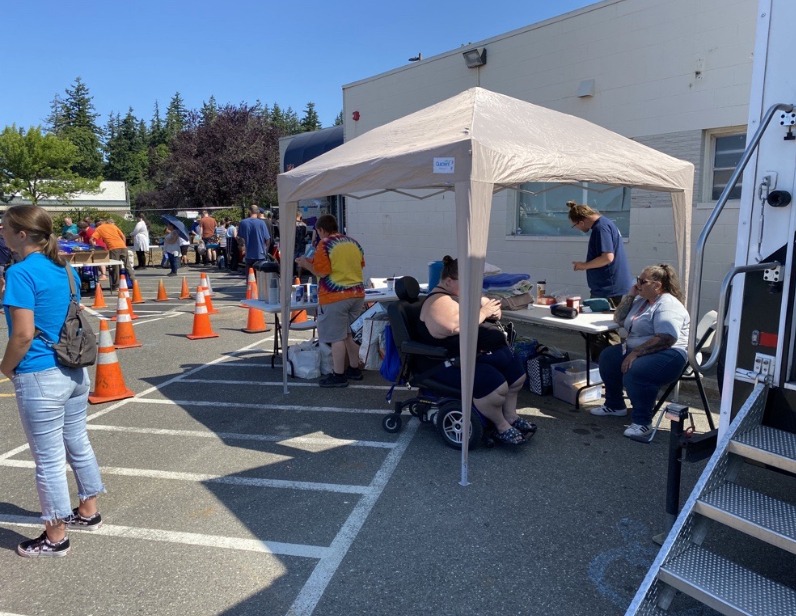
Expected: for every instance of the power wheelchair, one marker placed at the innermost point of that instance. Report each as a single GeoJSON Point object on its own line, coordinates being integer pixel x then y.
{"type": "Point", "coordinates": [435, 403]}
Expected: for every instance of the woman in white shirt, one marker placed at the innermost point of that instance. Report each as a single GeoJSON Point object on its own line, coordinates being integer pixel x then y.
{"type": "Point", "coordinates": [653, 353]}
{"type": "Point", "coordinates": [140, 236]}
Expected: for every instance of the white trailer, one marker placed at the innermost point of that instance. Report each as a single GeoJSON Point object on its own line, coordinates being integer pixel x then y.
{"type": "Point", "coordinates": [757, 348]}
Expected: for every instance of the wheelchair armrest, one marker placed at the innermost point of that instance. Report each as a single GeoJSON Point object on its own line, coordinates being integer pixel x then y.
{"type": "Point", "coordinates": [418, 348]}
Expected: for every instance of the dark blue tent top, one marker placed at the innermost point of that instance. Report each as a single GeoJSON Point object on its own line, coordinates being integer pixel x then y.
{"type": "Point", "coordinates": [306, 146]}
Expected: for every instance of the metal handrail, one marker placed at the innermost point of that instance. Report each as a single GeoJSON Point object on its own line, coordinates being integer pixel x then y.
{"type": "Point", "coordinates": [721, 312]}
{"type": "Point", "coordinates": [695, 282]}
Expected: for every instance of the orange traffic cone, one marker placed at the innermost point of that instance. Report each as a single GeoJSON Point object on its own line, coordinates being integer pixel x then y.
{"type": "Point", "coordinates": [201, 320]}
{"type": "Point", "coordinates": [251, 285]}
{"type": "Point", "coordinates": [298, 316]}
{"type": "Point", "coordinates": [185, 292]}
{"type": "Point", "coordinates": [162, 296]}
{"type": "Point", "coordinates": [137, 299]}
{"type": "Point", "coordinates": [255, 323]}
{"type": "Point", "coordinates": [124, 290]}
{"type": "Point", "coordinates": [208, 301]}
{"type": "Point", "coordinates": [125, 335]}
{"type": "Point", "coordinates": [108, 380]}
{"type": "Point", "coordinates": [99, 298]}
{"type": "Point", "coordinates": [204, 281]}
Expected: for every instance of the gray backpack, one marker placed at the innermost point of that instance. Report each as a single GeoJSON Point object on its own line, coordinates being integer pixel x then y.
{"type": "Point", "coordinates": [77, 344]}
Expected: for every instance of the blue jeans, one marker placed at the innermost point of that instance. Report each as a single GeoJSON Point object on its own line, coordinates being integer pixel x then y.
{"type": "Point", "coordinates": [52, 407]}
{"type": "Point", "coordinates": [174, 262]}
{"type": "Point", "coordinates": [642, 382]}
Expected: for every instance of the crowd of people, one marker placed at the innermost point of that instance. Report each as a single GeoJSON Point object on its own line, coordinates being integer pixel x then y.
{"type": "Point", "coordinates": [52, 398]}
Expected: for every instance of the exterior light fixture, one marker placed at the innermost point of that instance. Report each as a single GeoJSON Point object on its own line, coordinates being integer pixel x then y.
{"type": "Point", "coordinates": [475, 57]}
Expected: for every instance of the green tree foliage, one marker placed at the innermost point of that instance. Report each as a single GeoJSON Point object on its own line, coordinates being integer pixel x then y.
{"type": "Point", "coordinates": [310, 121]}
{"type": "Point", "coordinates": [176, 116]}
{"type": "Point", "coordinates": [209, 110]}
{"type": "Point", "coordinates": [338, 121]}
{"type": "Point", "coordinates": [74, 118]}
{"type": "Point", "coordinates": [39, 166]}
{"type": "Point", "coordinates": [286, 122]}
{"type": "Point", "coordinates": [127, 150]}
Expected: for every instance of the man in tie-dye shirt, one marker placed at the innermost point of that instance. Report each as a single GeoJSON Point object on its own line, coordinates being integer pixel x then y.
{"type": "Point", "coordinates": [338, 263]}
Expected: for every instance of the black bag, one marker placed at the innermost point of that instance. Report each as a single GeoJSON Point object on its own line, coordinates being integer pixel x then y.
{"type": "Point", "coordinates": [540, 373]}
{"type": "Point", "coordinates": [77, 343]}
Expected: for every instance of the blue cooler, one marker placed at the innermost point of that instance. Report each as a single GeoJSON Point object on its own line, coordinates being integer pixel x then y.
{"type": "Point", "coordinates": [434, 272]}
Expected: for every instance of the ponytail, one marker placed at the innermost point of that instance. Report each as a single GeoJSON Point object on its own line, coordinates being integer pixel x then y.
{"type": "Point", "coordinates": [579, 212]}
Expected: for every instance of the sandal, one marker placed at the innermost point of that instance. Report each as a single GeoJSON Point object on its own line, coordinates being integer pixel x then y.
{"type": "Point", "coordinates": [512, 436]}
{"type": "Point", "coordinates": [524, 426]}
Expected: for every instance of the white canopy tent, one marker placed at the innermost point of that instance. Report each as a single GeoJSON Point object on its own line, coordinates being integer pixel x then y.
{"type": "Point", "coordinates": [474, 144]}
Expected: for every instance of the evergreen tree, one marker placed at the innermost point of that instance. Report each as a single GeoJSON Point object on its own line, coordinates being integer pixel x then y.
{"type": "Point", "coordinates": [176, 116]}
{"type": "Point", "coordinates": [310, 121]}
{"type": "Point", "coordinates": [74, 118]}
{"type": "Point", "coordinates": [157, 129]}
{"type": "Point", "coordinates": [127, 151]}
{"type": "Point", "coordinates": [209, 110]}
{"type": "Point", "coordinates": [285, 122]}
{"type": "Point", "coordinates": [338, 121]}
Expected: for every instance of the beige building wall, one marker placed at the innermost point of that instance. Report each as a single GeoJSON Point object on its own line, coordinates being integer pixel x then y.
{"type": "Point", "coordinates": [664, 72]}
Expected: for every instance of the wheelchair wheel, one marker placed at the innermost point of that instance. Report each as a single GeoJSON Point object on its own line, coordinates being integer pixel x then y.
{"type": "Point", "coordinates": [392, 423]}
{"type": "Point", "coordinates": [449, 425]}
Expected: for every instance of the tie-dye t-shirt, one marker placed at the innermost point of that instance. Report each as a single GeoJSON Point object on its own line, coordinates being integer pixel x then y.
{"type": "Point", "coordinates": [338, 261]}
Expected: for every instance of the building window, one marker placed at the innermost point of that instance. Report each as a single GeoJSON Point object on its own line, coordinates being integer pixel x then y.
{"type": "Point", "coordinates": [541, 208]}
{"type": "Point", "coordinates": [726, 151]}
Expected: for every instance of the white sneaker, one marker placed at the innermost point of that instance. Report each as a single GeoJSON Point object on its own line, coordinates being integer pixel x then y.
{"type": "Point", "coordinates": [638, 432]}
{"type": "Point", "coordinates": [604, 411]}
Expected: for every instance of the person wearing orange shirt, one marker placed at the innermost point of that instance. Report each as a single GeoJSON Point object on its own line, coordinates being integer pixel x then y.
{"type": "Point", "coordinates": [338, 263]}
{"type": "Point", "coordinates": [114, 239]}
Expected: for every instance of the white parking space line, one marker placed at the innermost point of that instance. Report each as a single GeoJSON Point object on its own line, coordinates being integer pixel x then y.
{"type": "Point", "coordinates": [10, 614]}
{"type": "Point", "coordinates": [278, 384]}
{"type": "Point", "coordinates": [264, 407]}
{"type": "Point", "coordinates": [327, 441]}
{"type": "Point", "coordinates": [252, 482]}
{"type": "Point", "coordinates": [210, 541]}
{"type": "Point", "coordinates": [313, 589]}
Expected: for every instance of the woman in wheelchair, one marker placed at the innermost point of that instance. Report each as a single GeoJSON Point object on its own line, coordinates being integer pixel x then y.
{"type": "Point", "coordinates": [498, 374]}
{"type": "Point", "coordinates": [653, 353]}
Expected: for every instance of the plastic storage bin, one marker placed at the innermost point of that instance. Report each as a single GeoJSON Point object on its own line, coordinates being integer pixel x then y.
{"type": "Point", "coordinates": [569, 376]}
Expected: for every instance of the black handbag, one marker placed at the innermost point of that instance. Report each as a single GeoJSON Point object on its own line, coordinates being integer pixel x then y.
{"type": "Point", "coordinates": [540, 371]}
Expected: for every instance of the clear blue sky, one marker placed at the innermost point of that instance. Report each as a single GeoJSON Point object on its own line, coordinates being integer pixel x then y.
{"type": "Point", "coordinates": [131, 54]}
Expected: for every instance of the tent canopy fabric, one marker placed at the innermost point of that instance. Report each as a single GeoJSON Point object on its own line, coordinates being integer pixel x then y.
{"type": "Point", "coordinates": [475, 143]}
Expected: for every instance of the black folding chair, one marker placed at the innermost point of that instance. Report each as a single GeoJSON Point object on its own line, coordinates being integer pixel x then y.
{"type": "Point", "coordinates": [705, 330]}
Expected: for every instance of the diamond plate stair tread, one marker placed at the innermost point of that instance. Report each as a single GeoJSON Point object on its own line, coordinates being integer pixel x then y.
{"type": "Point", "coordinates": [751, 507]}
{"type": "Point", "coordinates": [769, 445]}
{"type": "Point", "coordinates": [725, 585]}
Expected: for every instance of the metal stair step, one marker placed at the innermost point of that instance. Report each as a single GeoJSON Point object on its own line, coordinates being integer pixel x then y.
{"type": "Point", "coordinates": [768, 446]}
{"type": "Point", "coordinates": [725, 586]}
{"type": "Point", "coordinates": [756, 514]}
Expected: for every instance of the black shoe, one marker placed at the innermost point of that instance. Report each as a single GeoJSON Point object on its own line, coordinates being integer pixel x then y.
{"type": "Point", "coordinates": [79, 522]}
{"type": "Point", "coordinates": [334, 380]}
{"type": "Point", "coordinates": [353, 374]}
{"type": "Point", "coordinates": [171, 274]}
{"type": "Point", "coordinates": [524, 426]}
{"type": "Point", "coordinates": [41, 546]}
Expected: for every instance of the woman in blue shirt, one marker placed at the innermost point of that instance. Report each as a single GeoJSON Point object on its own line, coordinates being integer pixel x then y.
{"type": "Point", "coordinates": [51, 398]}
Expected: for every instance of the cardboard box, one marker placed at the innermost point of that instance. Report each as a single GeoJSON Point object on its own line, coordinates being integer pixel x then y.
{"type": "Point", "coordinates": [569, 376]}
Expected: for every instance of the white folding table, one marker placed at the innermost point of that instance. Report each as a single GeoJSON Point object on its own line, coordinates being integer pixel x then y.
{"type": "Point", "coordinates": [587, 324]}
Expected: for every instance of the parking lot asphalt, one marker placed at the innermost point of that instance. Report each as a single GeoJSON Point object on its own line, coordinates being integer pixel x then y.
{"type": "Point", "coordinates": [227, 496]}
